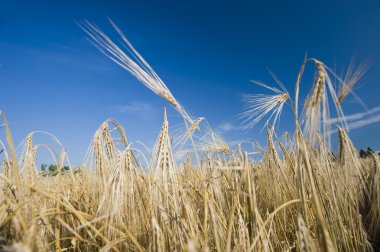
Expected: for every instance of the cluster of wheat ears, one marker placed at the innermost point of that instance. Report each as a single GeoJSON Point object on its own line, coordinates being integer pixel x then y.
{"type": "Point", "coordinates": [298, 196]}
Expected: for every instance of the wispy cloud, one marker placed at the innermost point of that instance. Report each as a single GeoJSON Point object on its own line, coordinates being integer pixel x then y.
{"type": "Point", "coordinates": [358, 120]}
{"type": "Point", "coordinates": [364, 122]}
{"type": "Point", "coordinates": [356, 116]}
{"type": "Point", "coordinates": [139, 108]}
{"type": "Point", "coordinates": [227, 127]}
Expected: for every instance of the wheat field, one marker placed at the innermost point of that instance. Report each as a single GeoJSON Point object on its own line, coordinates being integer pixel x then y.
{"type": "Point", "coordinates": [300, 196]}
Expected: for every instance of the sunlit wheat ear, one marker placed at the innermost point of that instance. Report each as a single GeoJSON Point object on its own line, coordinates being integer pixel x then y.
{"type": "Point", "coordinates": [316, 112]}
{"type": "Point", "coordinates": [350, 80]}
{"type": "Point", "coordinates": [257, 106]}
{"type": "Point", "coordinates": [28, 168]}
{"type": "Point", "coordinates": [271, 149]}
{"type": "Point", "coordinates": [316, 102]}
{"type": "Point", "coordinates": [99, 156]}
{"type": "Point", "coordinates": [102, 156]}
{"type": "Point", "coordinates": [27, 156]}
{"type": "Point", "coordinates": [163, 163]}
{"type": "Point", "coordinates": [133, 62]}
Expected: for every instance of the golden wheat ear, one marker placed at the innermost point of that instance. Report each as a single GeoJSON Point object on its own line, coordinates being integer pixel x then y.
{"type": "Point", "coordinates": [257, 106]}
{"type": "Point", "coordinates": [132, 61]}
{"type": "Point", "coordinates": [316, 110]}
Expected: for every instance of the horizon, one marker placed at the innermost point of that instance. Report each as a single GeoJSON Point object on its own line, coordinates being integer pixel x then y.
{"type": "Point", "coordinates": [54, 80]}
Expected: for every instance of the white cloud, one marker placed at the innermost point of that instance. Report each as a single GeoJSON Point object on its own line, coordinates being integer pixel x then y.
{"type": "Point", "coordinates": [139, 108]}
{"type": "Point", "coordinates": [358, 120]}
{"type": "Point", "coordinates": [364, 122]}
{"type": "Point", "coordinates": [234, 143]}
{"type": "Point", "coordinates": [227, 127]}
{"type": "Point", "coordinates": [356, 116]}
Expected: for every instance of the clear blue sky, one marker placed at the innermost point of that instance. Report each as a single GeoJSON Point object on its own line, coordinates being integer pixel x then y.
{"type": "Point", "coordinates": [53, 79]}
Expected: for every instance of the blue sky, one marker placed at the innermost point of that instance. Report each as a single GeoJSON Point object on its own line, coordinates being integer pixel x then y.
{"type": "Point", "coordinates": [53, 79]}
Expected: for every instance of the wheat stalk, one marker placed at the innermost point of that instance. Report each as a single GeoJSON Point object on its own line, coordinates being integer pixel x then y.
{"type": "Point", "coordinates": [133, 62]}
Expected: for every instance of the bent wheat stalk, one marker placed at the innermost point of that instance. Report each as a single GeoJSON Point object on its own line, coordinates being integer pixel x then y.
{"type": "Point", "coordinates": [133, 62]}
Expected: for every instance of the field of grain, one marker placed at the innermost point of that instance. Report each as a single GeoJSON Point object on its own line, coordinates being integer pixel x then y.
{"type": "Point", "coordinates": [300, 196]}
